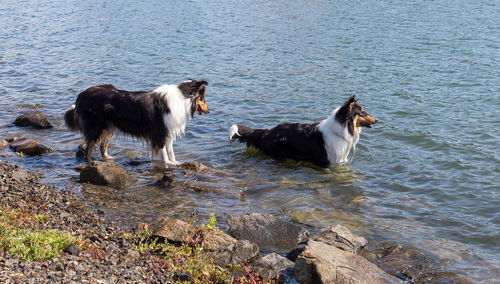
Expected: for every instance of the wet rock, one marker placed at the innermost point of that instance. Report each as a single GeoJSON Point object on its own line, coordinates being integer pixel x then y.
{"type": "Point", "coordinates": [410, 264]}
{"type": "Point", "coordinates": [323, 263]}
{"type": "Point", "coordinates": [33, 118]}
{"type": "Point", "coordinates": [267, 231]}
{"type": "Point", "coordinates": [3, 144]}
{"type": "Point", "coordinates": [195, 167]}
{"type": "Point", "coordinates": [72, 249]}
{"type": "Point", "coordinates": [271, 265]}
{"type": "Point", "coordinates": [28, 147]}
{"type": "Point", "coordinates": [340, 237]}
{"type": "Point", "coordinates": [443, 277]}
{"type": "Point", "coordinates": [105, 173]}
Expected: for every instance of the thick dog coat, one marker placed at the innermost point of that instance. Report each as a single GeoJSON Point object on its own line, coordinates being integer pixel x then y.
{"type": "Point", "coordinates": [322, 143]}
{"type": "Point", "coordinates": [158, 116]}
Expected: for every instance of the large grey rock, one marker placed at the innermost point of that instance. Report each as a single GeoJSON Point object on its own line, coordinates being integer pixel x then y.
{"type": "Point", "coordinates": [323, 263]}
{"type": "Point", "coordinates": [340, 237]}
{"type": "Point", "coordinates": [33, 118]}
{"type": "Point", "coordinates": [28, 147]}
{"type": "Point", "coordinates": [267, 231]}
{"type": "Point", "coordinates": [271, 265]}
{"type": "Point", "coordinates": [105, 173]}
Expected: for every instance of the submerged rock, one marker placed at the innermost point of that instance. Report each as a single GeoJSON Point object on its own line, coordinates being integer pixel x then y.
{"type": "Point", "coordinates": [195, 167]}
{"type": "Point", "coordinates": [33, 118]}
{"type": "Point", "coordinates": [105, 173]}
{"type": "Point", "coordinates": [267, 231]}
{"type": "Point", "coordinates": [323, 263]}
{"type": "Point", "coordinates": [28, 147]}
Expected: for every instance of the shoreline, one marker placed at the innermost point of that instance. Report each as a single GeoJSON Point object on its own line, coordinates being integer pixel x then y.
{"type": "Point", "coordinates": [100, 251]}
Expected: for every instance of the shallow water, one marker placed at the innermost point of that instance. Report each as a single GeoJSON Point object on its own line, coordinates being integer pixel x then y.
{"type": "Point", "coordinates": [425, 176]}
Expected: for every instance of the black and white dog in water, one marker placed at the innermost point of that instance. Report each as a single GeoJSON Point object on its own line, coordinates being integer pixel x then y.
{"type": "Point", "coordinates": [158, 117]}
{"type": "Point", "coordinates": [324, 143]}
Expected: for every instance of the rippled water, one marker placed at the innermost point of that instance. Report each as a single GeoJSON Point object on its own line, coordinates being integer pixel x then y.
{"type": "Point", "coordinates": [426, 176]}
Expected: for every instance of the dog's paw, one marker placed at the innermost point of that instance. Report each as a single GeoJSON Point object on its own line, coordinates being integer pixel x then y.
{"type": "Point", "coordinates": [172, 164]}
{"type": "Point", "coordinates": [107, 158]}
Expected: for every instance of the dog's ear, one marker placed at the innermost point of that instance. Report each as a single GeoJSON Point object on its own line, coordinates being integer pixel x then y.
{"type": "Point", "coordinates": [351, 102]}
{"type": "Point", "coordinates": [352, 99]}
{"type": "Point", "coordinates": [201, 85]}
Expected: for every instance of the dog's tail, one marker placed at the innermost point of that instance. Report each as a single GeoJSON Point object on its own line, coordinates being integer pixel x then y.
{"type": "Point", "coordinates": [246, 134]}
{"type": "Point", "coordinates": [71, 119]}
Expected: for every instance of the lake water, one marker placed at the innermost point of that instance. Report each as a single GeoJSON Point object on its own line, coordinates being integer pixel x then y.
{"type": "Point", "coordinates": [426, 176]}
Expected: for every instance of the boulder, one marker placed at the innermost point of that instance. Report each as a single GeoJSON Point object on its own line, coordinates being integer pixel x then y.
{"type": "Point", "coordinates": [267, 231]}
{"type": "Point", "coordinates": [323, 263]}
{"type": "Point", "coordinates": [105, 173]}
{"type": "Point", "coordinates": [340, 237]}
{"type": "Point", "coordinates": [272, 265]}
{"type": "Point", "coordinates": [33, 118]}
{"type": "Point", "coordinates": [223, 248]}
{"type": "Point", "coordinates": [28, 147]}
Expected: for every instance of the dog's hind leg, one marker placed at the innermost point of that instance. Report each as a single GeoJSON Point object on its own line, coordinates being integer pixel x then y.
{"type": "Point", "coordinates": [105, 138]}
{"type": "Point", "coordinates": [89, 148]}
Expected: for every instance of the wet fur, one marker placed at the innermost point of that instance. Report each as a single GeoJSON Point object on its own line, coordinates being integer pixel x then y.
{"type": "Point", "coordinates": [158, 116]}
{"type": "Point", "coordinates": [324, 143]}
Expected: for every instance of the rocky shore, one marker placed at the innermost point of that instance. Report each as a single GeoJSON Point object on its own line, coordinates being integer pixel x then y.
{"type": "Point", "coordinates": [50, 236]}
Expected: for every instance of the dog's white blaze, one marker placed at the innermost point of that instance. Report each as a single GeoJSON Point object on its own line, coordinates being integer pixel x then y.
{"type": "Point", "coordinates": [180, 109]}
{"type": "Point", "coordinates": [338, 141]}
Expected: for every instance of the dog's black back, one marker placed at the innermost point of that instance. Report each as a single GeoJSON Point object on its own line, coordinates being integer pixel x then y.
{"type": "Point", "coordinates": [299, 141]}
{"type": "Point", "coordinates": [138, 114]}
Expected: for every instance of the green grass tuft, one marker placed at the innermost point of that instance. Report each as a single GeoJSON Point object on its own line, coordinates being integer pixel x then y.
{"type": "Point", "coordinates": [36, 246]}
{"type": "Point", "coordinates": [17, 236]}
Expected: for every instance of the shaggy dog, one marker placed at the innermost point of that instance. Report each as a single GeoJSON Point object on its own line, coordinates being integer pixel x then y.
{"type": "Point", "coordinates": [158, 117]}
{"type": "Point", "coordinates": [324, 143]}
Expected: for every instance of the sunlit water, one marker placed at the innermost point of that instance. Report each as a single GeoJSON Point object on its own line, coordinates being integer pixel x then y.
{"type": "Point", "coordinates": [426, 176]}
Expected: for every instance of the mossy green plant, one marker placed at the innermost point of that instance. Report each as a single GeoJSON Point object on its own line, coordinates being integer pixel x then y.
{"type": "Point", "coordinates": [18, 237]}
{"type": "Point", "coordinates": [35, 246]}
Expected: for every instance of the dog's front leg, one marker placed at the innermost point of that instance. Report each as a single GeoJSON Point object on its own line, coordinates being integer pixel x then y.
{"type": "Point", "coordinates": [166, 161]}
{"type": "Point", "coordinates": [170, 151]}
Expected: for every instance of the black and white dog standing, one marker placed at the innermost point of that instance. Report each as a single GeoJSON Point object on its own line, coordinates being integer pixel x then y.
{"type": "Point", "coordinates": [158, 116]}
{"type": "Point", "coordinates": [324, 143]}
